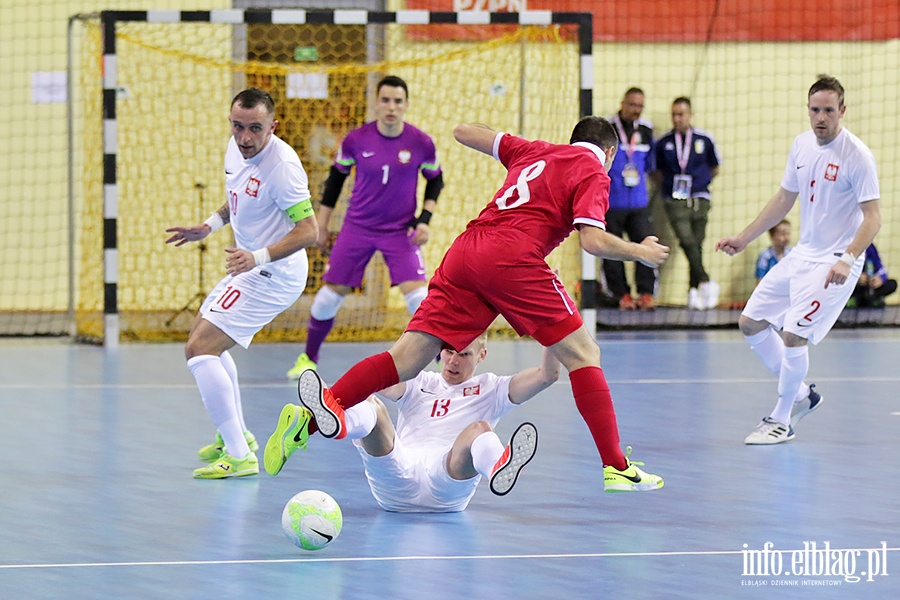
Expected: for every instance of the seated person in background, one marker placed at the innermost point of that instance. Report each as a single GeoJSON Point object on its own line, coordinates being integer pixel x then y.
{"type": "Point", "coordinates": [780, 235]}
{"type": "Point", "coordinates": [873, 284]}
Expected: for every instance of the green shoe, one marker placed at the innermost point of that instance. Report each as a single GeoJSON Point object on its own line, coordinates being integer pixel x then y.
{"type": "Point", "coordinates": [229, 466]}
{"type": "Point", "coordinates": [291, 434]}
{"type": "Point", "coordinates": [303, 363]}
{"type": "Point", "coordinates": [212, 452]}
{"type": "Point", "coordinates": [631, 479]}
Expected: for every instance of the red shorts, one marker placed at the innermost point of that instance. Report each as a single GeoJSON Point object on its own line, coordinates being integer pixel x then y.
{"type": "Point", "coordinates": [486, 273]}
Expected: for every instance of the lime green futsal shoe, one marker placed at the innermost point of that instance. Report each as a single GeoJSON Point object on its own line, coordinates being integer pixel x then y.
{"type": "Point", "coordinates": [632, 479]}
{"type": "Point", "coordinates": [212, 452]}
{"type": "Point", "coordinates": [303, 363]}
{"type": "Point", "coordinates": [290, 435]}
{"type": "Point", "coordinates": [228, 466]}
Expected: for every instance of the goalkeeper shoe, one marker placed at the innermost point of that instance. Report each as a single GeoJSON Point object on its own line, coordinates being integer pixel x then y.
{"type": "Point", "coordinates": [212, 452]}
{"type": "Point", "coordinates": [802, 408]}
{"type": "Point", "coordinates": [632, 479]}
{"type": "Point", "coordinates": [228, 466]}
{"type": "Point", "coordinates": [325, 408]}
{"type": "Point", "coordinates": [303, 363]}
{"type": "Point", "coordinates": [290, 435]}
{"type": "Point", "coordinates": [521, 449]}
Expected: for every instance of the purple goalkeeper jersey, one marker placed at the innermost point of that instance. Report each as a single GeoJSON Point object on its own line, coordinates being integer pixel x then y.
{"type": "Point", "coordinates": [387, 173]}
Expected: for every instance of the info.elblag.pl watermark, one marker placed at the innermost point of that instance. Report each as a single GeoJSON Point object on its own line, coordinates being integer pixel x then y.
{"type": "Point", "coordinates": [812, 565]}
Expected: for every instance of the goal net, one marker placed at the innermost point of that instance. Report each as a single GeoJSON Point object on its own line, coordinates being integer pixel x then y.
{"type": "Point", "coordinates": [164, 84]}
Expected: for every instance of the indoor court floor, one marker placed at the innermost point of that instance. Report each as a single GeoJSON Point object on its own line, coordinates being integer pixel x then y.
{"type": "Point", "coordinates": [97, 499]}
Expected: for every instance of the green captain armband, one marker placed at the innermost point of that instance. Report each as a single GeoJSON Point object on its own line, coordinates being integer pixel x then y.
{"type": "Point", "coordinates": [300, 211]}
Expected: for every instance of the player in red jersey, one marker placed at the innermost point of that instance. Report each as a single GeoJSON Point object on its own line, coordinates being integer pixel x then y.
{"type": "Point", "coordinates": [498, 266]}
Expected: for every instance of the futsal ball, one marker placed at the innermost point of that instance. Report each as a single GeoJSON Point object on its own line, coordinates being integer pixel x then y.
{"type": "Point", "coordinates": [311, 520]}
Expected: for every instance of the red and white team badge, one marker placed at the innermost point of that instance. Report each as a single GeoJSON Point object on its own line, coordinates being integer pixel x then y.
{"type": "Point", "coordinates": [831, 172]}
{"type": "Point", "coordinates": [472, 390]}
{"type": "Point", "coordinates": [252, 187]}
{"type": "Point", "coordinates": [404, 156]}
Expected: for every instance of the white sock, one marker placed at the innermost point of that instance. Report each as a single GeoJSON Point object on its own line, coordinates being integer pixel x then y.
{"type": "Point", "coordinates": [218, 396]}
{"type": "Point", "coordinates": [414, 299]}
{"type": "Point", "coordinates": [231, 369]}
{"type": "Point", "coordinates": [769, 348]}
{"type": "Point", "coordinates": [790, 380]}
{"type": "Point", "coordinates": [802, 393]}
{"type": "Point", "coordinates": [486, 451]}
{"type": "Point", "coordinates": [360, 420]}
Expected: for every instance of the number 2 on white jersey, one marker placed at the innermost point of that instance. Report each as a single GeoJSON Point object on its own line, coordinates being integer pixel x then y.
{"type": "Point", "coordinates": [529, 173]}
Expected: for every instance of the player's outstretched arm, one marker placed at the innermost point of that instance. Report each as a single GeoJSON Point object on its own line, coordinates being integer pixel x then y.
{"type": "Point", "coordinates": [195, 233]}
{"type": "Point", "coordinates": [772, 214]}
{"type": "Point", "coordinates": [524, 385]}
{"type": "Point", "coordinates": [605, 245]}
{"type": "Point", "coordinates": [476, 136]}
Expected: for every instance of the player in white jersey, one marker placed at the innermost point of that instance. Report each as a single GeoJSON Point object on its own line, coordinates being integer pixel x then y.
{"type": "Point", "coordinates": [269, 209]}
{"type": "Point", "coordinates": [834, 175]}
{"type": "Point", "coordinates": [444, 439]}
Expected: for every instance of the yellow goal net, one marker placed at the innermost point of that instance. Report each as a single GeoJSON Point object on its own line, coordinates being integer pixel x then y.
{"type": "Point", "coordinates": [175, 76]}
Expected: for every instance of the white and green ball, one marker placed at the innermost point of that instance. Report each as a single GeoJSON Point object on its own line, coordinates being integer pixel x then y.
{"type": "Point", "coordinates": [312, 520]}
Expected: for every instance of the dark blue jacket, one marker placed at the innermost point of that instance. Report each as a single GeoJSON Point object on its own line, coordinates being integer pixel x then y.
{"type": "Point", "coordinates": [704, 157]}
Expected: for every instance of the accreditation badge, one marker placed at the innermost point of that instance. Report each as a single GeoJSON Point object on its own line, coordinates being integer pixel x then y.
{"type": "Point", "coordinates": [630, 175]}
{"type": "Point", "coordinates": [681, 187]}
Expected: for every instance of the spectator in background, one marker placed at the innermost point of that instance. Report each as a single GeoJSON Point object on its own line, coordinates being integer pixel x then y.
{"type": "Point", "coordinates": [629, 202]}
{"type": "Point", "coordinates": [687, 160]}
{"type": "Point", "coordinates": [780, 236]}
{"type": "Point", "coordinates": [873, 284]}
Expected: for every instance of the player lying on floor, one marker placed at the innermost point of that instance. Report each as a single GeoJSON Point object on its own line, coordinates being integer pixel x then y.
{"type": "Point", "coordinates": [444, 440]}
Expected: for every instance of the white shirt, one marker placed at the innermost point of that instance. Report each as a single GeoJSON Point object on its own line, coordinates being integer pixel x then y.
{"type": "Point", "coordinates": [432, 412]}
{"type": "Point", "coordinates": [259, 190]}
{"type": "Point", "coordinates": [832, 181]}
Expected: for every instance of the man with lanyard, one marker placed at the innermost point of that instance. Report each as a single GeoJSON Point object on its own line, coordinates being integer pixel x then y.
{"type": "Point", "coordinates": [687, 160]}
{"type": "Point", "coordinates": [629, 210]}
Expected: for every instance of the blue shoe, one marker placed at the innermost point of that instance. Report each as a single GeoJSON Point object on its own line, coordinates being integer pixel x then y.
{"type": "Point", "coordinates": [806, 406]}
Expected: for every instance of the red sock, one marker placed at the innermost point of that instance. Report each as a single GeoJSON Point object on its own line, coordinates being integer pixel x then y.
{"type": "Point", "coordinates": [365, 378]}
{"type": "Point", "coordinates": [595, 404]}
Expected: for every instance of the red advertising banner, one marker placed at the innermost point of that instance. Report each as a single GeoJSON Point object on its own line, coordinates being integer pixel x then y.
{"type": "Point", "coordinates": [701, 20]}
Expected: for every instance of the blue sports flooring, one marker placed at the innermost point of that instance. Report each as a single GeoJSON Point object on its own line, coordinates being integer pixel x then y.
{"type": "Point", "coordinates": [97, 499]}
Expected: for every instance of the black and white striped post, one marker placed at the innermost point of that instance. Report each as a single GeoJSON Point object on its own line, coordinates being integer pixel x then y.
{"type": "Point", "coordinates": [583, 22]}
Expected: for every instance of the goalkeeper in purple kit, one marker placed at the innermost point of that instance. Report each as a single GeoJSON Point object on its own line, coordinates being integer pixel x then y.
{"type": "Point", "coordinates": [388, 154]}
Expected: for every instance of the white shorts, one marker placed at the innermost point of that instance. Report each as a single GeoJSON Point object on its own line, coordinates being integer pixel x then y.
{"type": "Point", "coordinates": [792, 297]}
{"type": "Point", "coordinates": [242, 305]}
{"type": "Point", "coordinates": [415, 480]}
